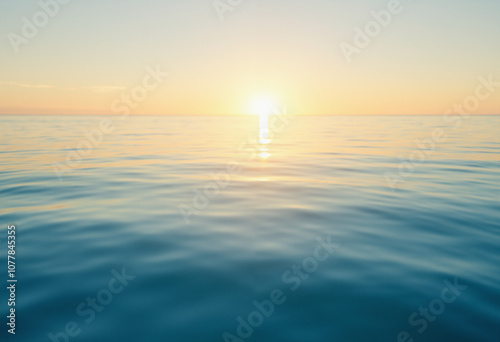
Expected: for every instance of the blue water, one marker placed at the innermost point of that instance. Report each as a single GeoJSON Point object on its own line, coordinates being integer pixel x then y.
{"type": "Point", "coordinates": [394, 248]}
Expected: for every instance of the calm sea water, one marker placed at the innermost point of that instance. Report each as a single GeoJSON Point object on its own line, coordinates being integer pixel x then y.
{"type": "Point", "coordinates": [403, 233]}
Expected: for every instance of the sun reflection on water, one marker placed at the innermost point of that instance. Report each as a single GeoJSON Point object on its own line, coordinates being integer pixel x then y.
{"type": "Point", "coordinates": [264, 138]}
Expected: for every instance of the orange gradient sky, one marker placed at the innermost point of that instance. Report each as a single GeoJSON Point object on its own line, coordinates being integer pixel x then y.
{"type": "Point", "coordinates": [91, 52]}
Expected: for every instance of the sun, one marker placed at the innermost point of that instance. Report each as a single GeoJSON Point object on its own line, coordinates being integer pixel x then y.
{"type": "Point", "coordinates": [263, 105]}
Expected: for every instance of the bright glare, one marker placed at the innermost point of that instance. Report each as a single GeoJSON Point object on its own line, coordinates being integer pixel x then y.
{"type": "Point", "coordinates": [263, 106]}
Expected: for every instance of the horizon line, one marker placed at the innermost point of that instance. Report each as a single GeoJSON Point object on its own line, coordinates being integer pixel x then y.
{"type": "Point", "coordinates": [235, 115]}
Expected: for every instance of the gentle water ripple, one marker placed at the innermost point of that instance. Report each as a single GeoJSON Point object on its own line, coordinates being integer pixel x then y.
{"type": "Point", "coordinates": [321, 176]}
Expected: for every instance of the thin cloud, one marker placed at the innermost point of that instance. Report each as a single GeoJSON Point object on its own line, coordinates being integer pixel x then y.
{"type": "Point", "coordinates": [97, 89]}
{"type": "Point", "coordinates": [106, 89]}
{"type": "Point", "coordinates": [24, 85]}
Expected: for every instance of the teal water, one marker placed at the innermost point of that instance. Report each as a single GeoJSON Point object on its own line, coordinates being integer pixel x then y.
{"type": "Point", "coordinates": [396, 248]}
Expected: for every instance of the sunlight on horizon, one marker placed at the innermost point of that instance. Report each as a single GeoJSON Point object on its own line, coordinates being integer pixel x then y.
{"type": "Point", "coordinates": [263, 105]}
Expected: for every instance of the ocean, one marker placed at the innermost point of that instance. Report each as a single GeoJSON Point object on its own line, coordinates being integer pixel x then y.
{"type": "Point", "coordinates": [214, 228]}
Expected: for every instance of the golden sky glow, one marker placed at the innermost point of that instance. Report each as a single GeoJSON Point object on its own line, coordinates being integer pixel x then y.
{"type": "Point", "coordinates": [91, 53]}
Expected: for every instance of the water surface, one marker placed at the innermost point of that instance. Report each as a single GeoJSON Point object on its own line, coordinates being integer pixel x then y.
{"type": "Point", "coordinates": [318, 177]}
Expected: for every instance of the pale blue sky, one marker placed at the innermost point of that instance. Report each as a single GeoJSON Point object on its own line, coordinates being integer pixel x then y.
{"type": "Point", "coordinates": [428, 57]}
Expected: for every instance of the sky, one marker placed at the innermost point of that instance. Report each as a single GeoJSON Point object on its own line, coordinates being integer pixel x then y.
{"type": "Point", "coordinates": [223, 60]}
